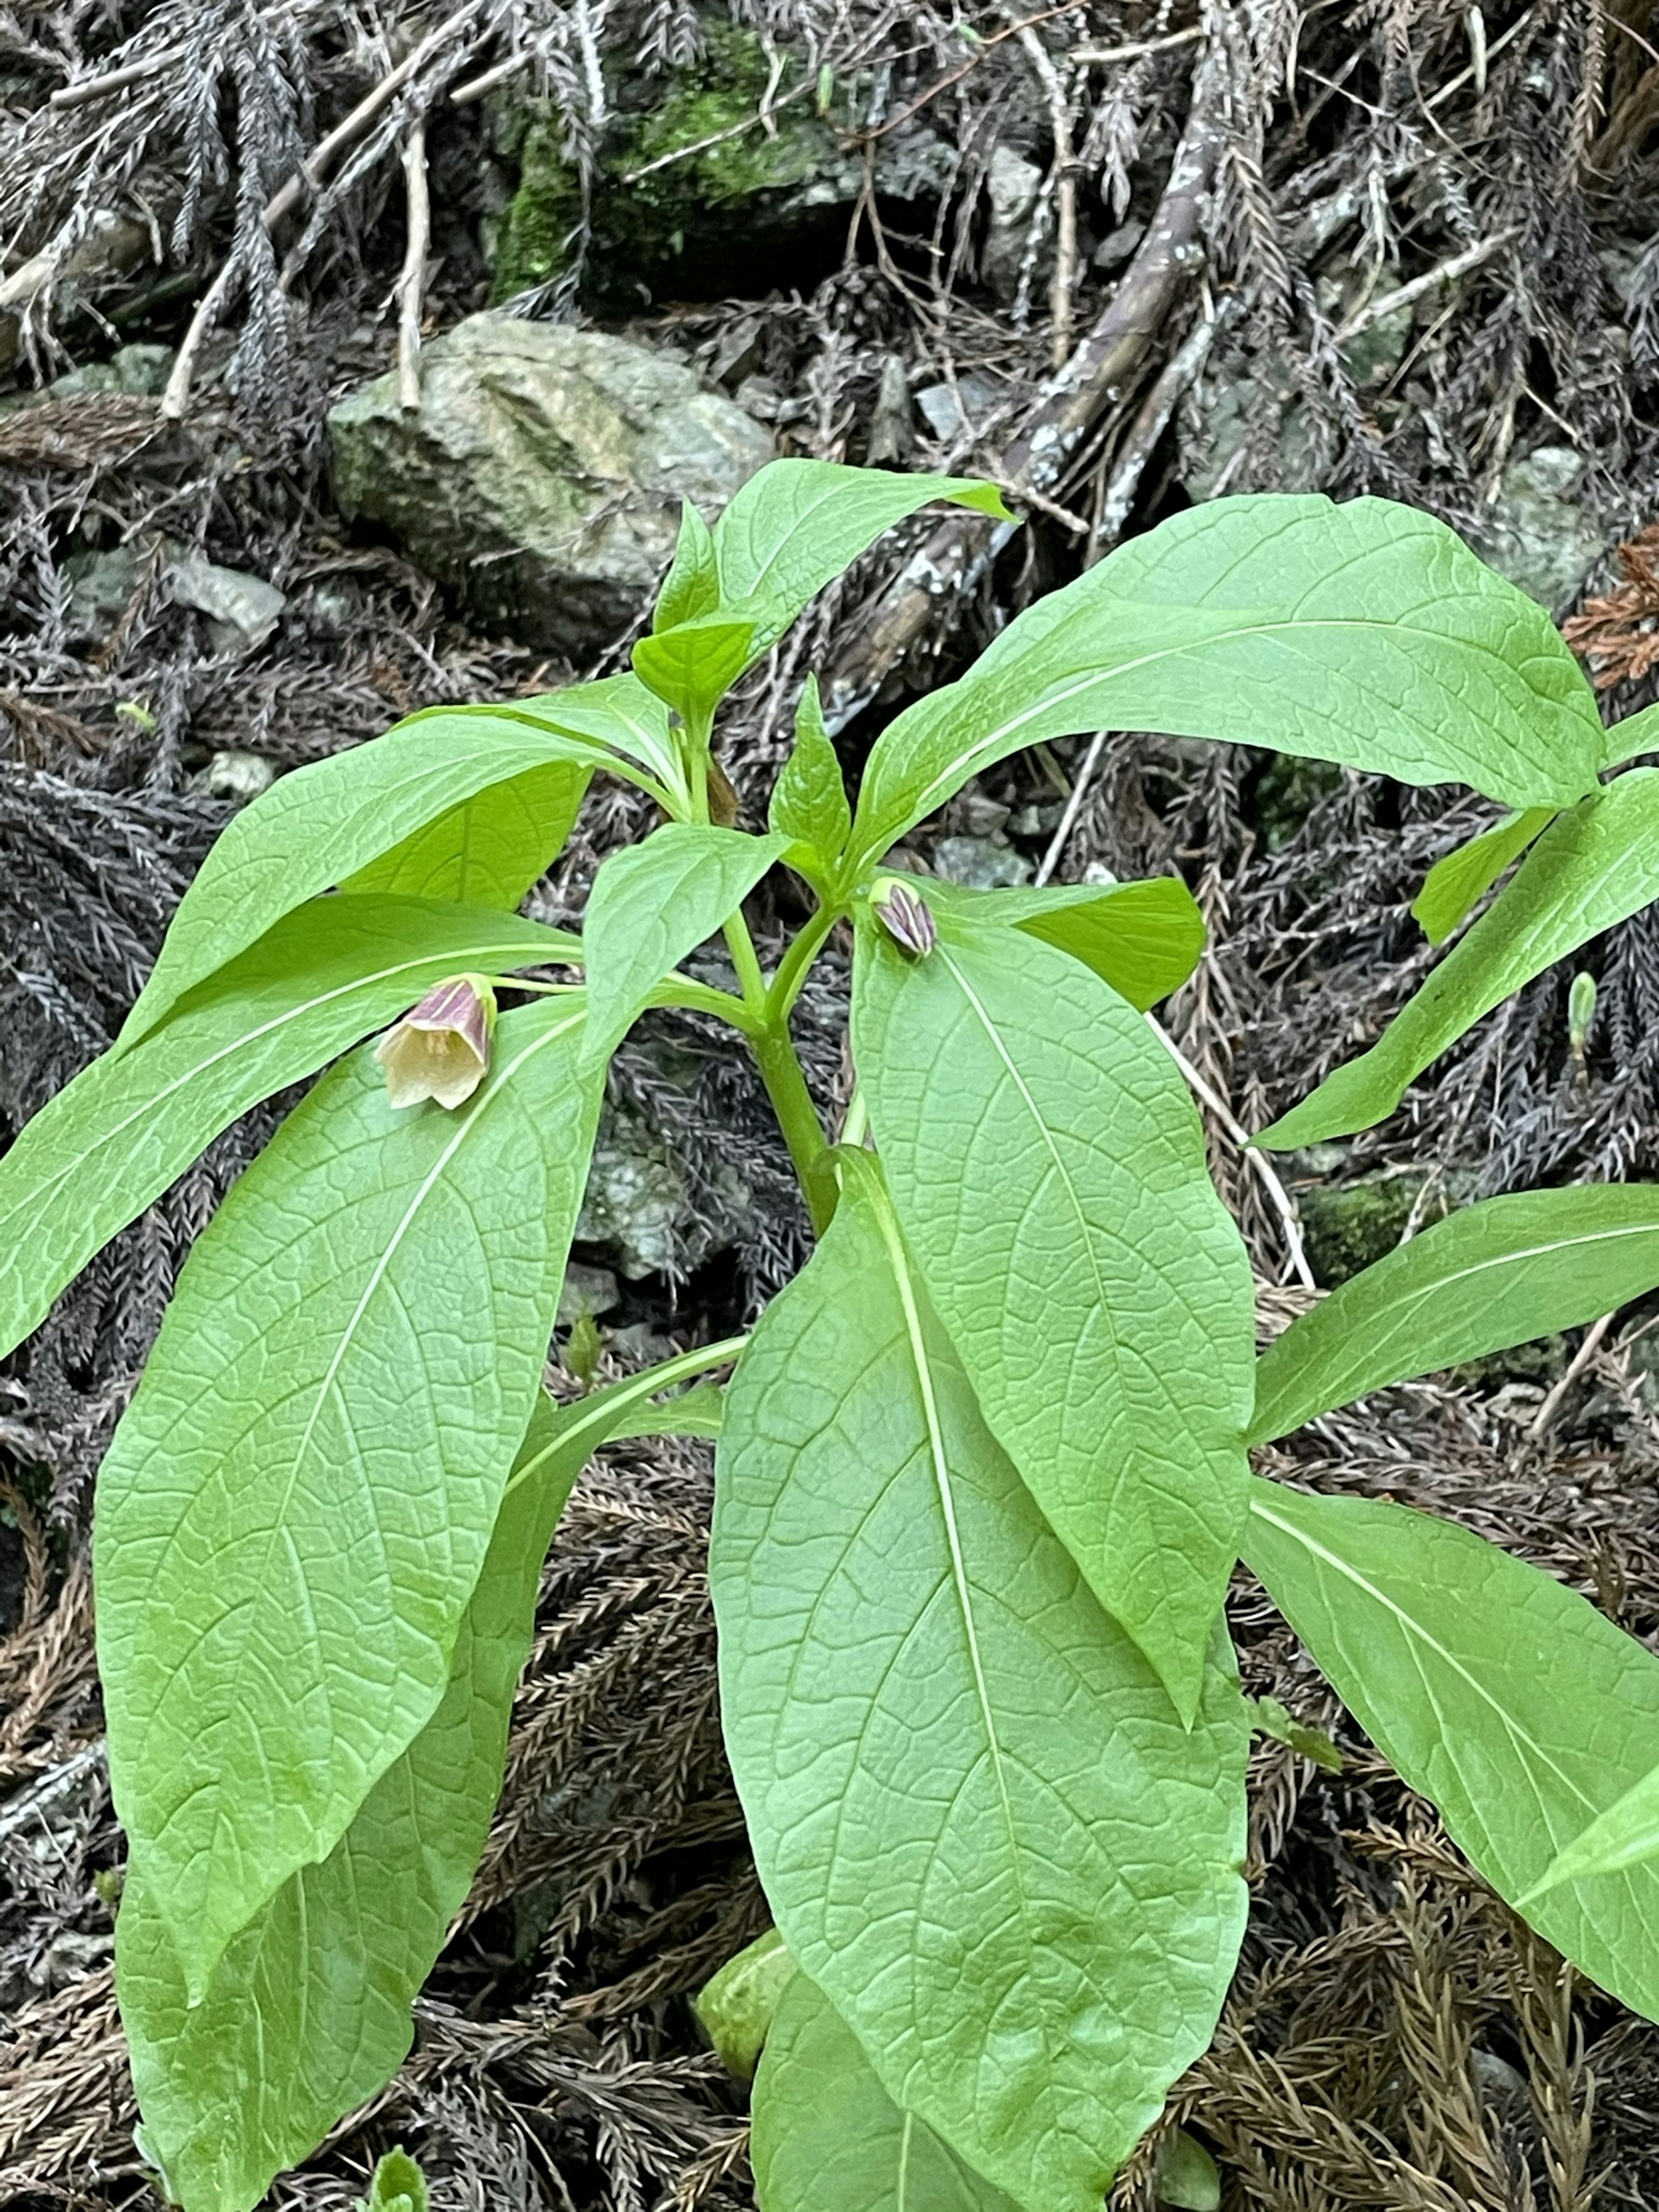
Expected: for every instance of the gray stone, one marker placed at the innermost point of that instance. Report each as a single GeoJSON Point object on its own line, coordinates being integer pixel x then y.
{"type": "Point", "coordinates": [101, 584]}
{"type": "Point", "coordinates": [953, 411]}
{"type": "Point", "coordinates": [543, 475]}
{"type": "Point", "coordinates": [585, 1291]}
{"type": "Point", "coordinates": [984, 864]}
{"type": "Point", "coordinates": [635, 1199]}
{"type": "Point", "coordinates": [243, 610]}
{"type": "Point", "coordinates": [237, 775]}
{"type": "Point", "coordinates": [1011, 185]}
{"type": "Point", "coordinates": [1537, 534]}
{"type": "Point", "coordinates": [140, 370]}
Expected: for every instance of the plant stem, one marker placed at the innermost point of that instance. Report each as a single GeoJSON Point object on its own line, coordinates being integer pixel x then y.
{"type": "Point", "coordinates": [797, 1117]}
{"type": "Point", "coordinates": [792, 968]}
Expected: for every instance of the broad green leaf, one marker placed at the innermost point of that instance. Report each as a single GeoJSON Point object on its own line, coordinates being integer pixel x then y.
{"type": "Point", "coordinates": [796, 524]}
{"type": "Point", "coordinates": [736, 2007]}
{"type": "Point", "coordinates": [826, 2134]}
{"type": "Point", "coordinates": [1366, 633]}
{"type": "Point", "coordinates": [1144, 939]}
{"type": "Point", "coordinates": [980, 1826]}
{"type": "Point", "coordinates": [692, 666]}
{"type": "Point", "coordinates": [1185, 2175]}
{"type": "Point", "coordinates": [1489, 1276]}
{"type": "Point", "coordinates": [1048, 1163]}
{"type": "Point", "coordinates": [1638, 734]}
{"type": "Point", "coordinates": [492, 848]}
{"type": "Point", "coordinates": [296, 1506]}
{"type": "Point", "coordinates": [1508, 1701]}
{"type": "Point", "coordinates": [326, 822]}
{"type": "Point", "coordinates": [113, 1141]}
{"type": "Point", "coordinates": [809, 799]}
{"type": "Point", "coordinates": [1625, 1835]}
{"type": "Point", "coordinates": [615, 711]}
{"type": "Point", "coordinates": [692, 586]}
{"type": "Point", "coordinates": [307, 2013]}
{"type": "Point", "coordinates": [1592, 868]}
{"type": "Point", "coordinates": [654, 903]}
{"type": "Point", "coordinates": [1453, 884]}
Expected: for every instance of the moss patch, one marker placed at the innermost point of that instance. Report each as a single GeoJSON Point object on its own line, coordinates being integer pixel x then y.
{"type": "Point", "coordinates": [645, 232]}
{"type": "Point", "coordinates": [1347, 1226]}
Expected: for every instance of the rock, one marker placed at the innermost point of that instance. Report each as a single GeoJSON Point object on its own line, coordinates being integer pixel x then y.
{"type": "Point", "coordinates": [141, 371]}
{"type": "Point", "coordinates": [101, 585]}
{"type": "Point", "coordinates": [236, 774]}
{"type": "Point", "coordinates": [984, 864]}
{"type": "Point", "coordinates": [635, 1199]}
{"type": "Point", "coordinates": [585, 1291]}
{"type": "Point", "coordinates": [1011, 185]}
{"type": "Point", "coordinates": [689, 195]}
{"type": "Point", "coordinates": [243, 611]}
{"type": "Point", "coordinates": [542, 476]}
{"type": "Point", "coordinates": [953, 411]}
{"type": "Point", "coordinates": [1346, 1226]}
{"type": "Point", "coordinates": [1538, 534]}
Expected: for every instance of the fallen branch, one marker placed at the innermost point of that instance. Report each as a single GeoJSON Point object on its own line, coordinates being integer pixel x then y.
{"type": "Point", "coordinates": [411, 281]}
{"type": "Point", "coordinates": [311, 171]}
{"type": "Point", "coordinates": [1443, 273]}
{"type": "Point", "coordinates": [938, 577]}
{"type": "Point", "coordinates": [87, 89]}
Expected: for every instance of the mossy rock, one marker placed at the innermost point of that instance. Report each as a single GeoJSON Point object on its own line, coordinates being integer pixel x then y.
{"type": "Point", "coordinates": [704, 224]}
{"type": "Point", "coordinates": [1347, 1227]}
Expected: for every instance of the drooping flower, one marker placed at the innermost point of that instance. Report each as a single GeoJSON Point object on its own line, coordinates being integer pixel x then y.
{"type": "Point", "coordinates": [907, 920]}
{"type": "Point", "coordinates": [440, 1048]}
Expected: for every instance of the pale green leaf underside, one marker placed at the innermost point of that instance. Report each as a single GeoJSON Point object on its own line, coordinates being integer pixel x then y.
{"type": "Point", "coordinates": [1454, 884]}
{"type": "Point", "coordinates": [1143, 939]}
{"type": "Point", "coordinates": [1505, 1698]}
{"type": "Point", "coordinates": [1636, 734]}
{"type": "Point", "coordinates": [654, 903]}
{"type": "Point", "coordinates": [826, 2134]}
{"type": "Point", "coordinates": [1365, 633]}
{"type": "Point", "coordinates": [114, 1138]}
{"type": "Point", "coordinates": [1592, 868]}
{"type": "Point", "coordinates": [1047, 1164]}
{"type": "Point", "coordinates": [980, 1824]}
{"type": "Point", "coordinates": [295, 1508]}
{"type": "Point", "coordinates": [492, 848]}
{"type": "Point", "coordinates": [796, 524]}
{"type": "Point", "coordinates": [1625, 1835]}
{"type": "Point", "coordinates": [307, 2013]}
{"type": "Point", "coordinates": [328, 822]}
{"type": "Point", "coordinates": [1490, 1275]}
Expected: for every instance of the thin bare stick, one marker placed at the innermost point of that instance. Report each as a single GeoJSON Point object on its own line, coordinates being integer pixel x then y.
{"type": "Point", "coordinates": [98, 87]}
{"type": "Point", "coordinates": [209, 309]}
{"type": "Point", "coordinates": [476, 86]}
{"type": "Point", "coordinates": [1152, 421]}
{"type": "Point", "coordinates": [1459, 265]}
{"type": "Point", "coordinates": [1278, 1197]}
{"type": "Point", "coordinates": [412, 281]}
{"type": "Point", "coordinates": [1074, 799]}
{"type": "Point", "coordinates": [1580, 1359]}
{"type": "Point", "coordinates": [1138, 49]}
{"type": "Point", "coordinates": [311, 171]}
{"type": "Point", "coordinates": [1063, 287]}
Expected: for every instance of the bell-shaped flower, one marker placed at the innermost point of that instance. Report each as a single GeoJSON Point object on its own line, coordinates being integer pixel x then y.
{"type": "Point", "coordinates": [905, 918]}
{"type": "Point", "coordinates": [440, 1048]}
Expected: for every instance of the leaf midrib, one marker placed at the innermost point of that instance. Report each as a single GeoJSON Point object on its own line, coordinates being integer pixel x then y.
{"type": "Point", "coordinates": [947, 778]}
{"type": "Point", "coordinates": [279, 1526]}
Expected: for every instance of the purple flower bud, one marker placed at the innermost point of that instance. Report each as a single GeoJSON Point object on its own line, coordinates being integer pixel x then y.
{"type": "Point", "coordinates": [440, 1048]}
{"type": "Point", "coordinates": [906, 919]}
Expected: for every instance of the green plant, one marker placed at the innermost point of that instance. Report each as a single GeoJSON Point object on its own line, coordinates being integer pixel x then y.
{"type": "Point", "coordinates": [983, 1469]}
